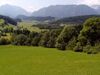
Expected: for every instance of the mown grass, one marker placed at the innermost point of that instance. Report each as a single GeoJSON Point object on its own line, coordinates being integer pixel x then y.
{"type": "Point", "coordinates": [18, 60]}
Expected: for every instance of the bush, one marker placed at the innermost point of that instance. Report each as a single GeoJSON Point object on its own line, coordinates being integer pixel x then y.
{"type": "Point", "coordinates": [61, 46]}
{"type": "Point", "coordinates": [71, 43]}
{"type": "Point", "coordinates": [78, 47]}
{"type": "Point", "coordinates": [36, 40]}
{"type": "Point", "coordinates": [44, 39]}
{"type": "Point", "coordinates": [20, 39]}
{"type": "Point", "coordinates": [28, 42]}
{"type": "Point", "coordinates": [4, 41]}
{"type": "Point", "coordinates": [53, 37]}
{"type": "Point", "coordinates": [91, 49]}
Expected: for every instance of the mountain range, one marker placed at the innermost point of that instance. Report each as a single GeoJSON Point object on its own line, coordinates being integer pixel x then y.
{"type": "Point", "coordinates": [61, 11]}
{"type": "Point", "coordinates": [58, 11]}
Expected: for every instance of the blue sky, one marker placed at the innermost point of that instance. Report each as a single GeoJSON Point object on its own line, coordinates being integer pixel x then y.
{"type": "Point", "coordinates": [32, 5]}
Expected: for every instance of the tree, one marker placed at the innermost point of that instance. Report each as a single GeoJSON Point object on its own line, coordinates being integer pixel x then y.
{"type": "Point", "coordinates": [20, 39]}
{"type": "Point", "coordinates": [36, 40]}
{"type": "Point", "coordinates": [90, 32]}
{"type": "Point", "coordinates": [44, 39]}
{"type": "Point", "coordinates": [53, 37]}
{"type": "Point", "coordinates": [66, 35]}
{"type": "Point", "coordinates": [2, 22]}
{"type": "Point", "coordinates": [89, 35]}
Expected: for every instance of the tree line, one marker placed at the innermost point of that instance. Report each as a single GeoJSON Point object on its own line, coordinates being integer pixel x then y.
{"type": "Point", "coordinates": [79, 38]}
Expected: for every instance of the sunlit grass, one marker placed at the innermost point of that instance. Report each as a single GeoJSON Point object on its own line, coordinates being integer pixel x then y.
{"type": "Point", "coordinates": [18, 60]}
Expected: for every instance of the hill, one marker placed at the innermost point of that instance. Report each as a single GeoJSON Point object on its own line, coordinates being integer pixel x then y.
{"type": "Point", "coordinates": [97, 8]}
{"type": "Point", "coordinates": [8, 20]}
{"type": "Point", "coordinates": [12, 11]}
{"type": "Point", "coordinates": [74, 20]}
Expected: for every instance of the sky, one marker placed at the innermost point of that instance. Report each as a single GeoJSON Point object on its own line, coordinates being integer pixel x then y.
{"type": "Point", "coordinates": [33, 5]}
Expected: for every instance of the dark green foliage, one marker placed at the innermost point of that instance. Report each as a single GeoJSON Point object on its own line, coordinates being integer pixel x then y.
{"type": "Point", "coordinates": [8, 20]}
{"type": "Point", "coordinates": [17, 31]}
{"type": "Point", "coordinates": [71, 43]}
{"type": "Point", "coordinates": [53, 37]}
{"type": "Point", "coordinates": [49, 38]}
{"type": "Point", "coordinates": [61, 46]}
{"type": "Point", "coordinates": [91, 30]}
{"type": "Point", "coordinates": [78, 47]}
{"type": "Point", "coordinates": [28, 41]}
{"type": "Point", "coordinates": [24, 31]}
{"type": "Point", "coordinates": [33, 34]}
{"type": "Point", "coordinates": [4, 41]}
{"type": "Point", "coordinates": [89, 35]}
{"type": "Point", "coordinates": [20, 39]}
{"type": "Point", "coordinates": [91, 49]}
{"type": "Point", "coordinates": [79, 38]}
{"type": "Point", "coordinates": [44, 39]}
{"type": "Point", "coordinates": [66, 35]}
{"type": "Point", "coordinates": [36, 40]}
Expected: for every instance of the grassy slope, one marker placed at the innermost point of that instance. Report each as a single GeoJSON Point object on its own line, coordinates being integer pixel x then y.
{"type": "Point", "coordinates": [28, 25]}
{"type": "Point", "coordinates": [43, 61]}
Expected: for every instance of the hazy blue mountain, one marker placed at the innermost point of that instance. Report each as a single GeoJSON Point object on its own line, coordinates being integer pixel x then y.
{"type": "Point", "coordinates": [97, 8]}
{"type": "Point", "coordinates": [61, 11]}
{"type": "Point", "coordinates": [12, 11]}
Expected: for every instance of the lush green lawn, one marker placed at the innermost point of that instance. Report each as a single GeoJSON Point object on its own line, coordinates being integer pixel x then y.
{"type": "Point", "coordinates": [43, 61]}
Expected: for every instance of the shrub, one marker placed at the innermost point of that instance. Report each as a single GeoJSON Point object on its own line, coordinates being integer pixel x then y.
{"type": "Point", "coordinates": [36, 40]}
{"type": "Point", "coordinates": [61, 46]}
{"type": "Point", "coordinates": [78, 47]}
{"type": "Point", "coordinates": [28, 42]}
{"type": "Point", "coordinates": [20, 39]}
{"type": "Point", "coordinates": [91, 49]}
{"type": "Point", "coordinates": [4, 41]}
{"type": "Point", "coordinates": [44, 39]}
{"type": "Point", "coordinates": [71, 43]}
{"type": "Point", "coordinates": [87, 48]}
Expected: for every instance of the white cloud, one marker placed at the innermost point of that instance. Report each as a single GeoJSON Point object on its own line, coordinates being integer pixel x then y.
{"type": "Point", "coordinates": [90, 2]}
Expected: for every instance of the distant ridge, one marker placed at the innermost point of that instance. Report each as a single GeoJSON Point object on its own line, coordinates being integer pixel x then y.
{"type": "Point", "coordinates": [12, 11]}
{"type": "Point", "coordinates": [62, 11]}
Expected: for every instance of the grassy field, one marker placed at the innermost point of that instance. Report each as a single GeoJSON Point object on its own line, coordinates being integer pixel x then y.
{"type": "Point", "coordinates": [29, 26]}
{"type": "Point", "coordinates": [16, 60]}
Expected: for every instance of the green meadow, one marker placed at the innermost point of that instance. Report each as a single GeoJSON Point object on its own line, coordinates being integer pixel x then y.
{"type": "Point", "coordinates": [24, 60]}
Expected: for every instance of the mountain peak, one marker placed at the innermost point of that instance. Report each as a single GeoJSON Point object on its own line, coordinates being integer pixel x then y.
{"type": "Point", "coordinates": [12, 10]}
